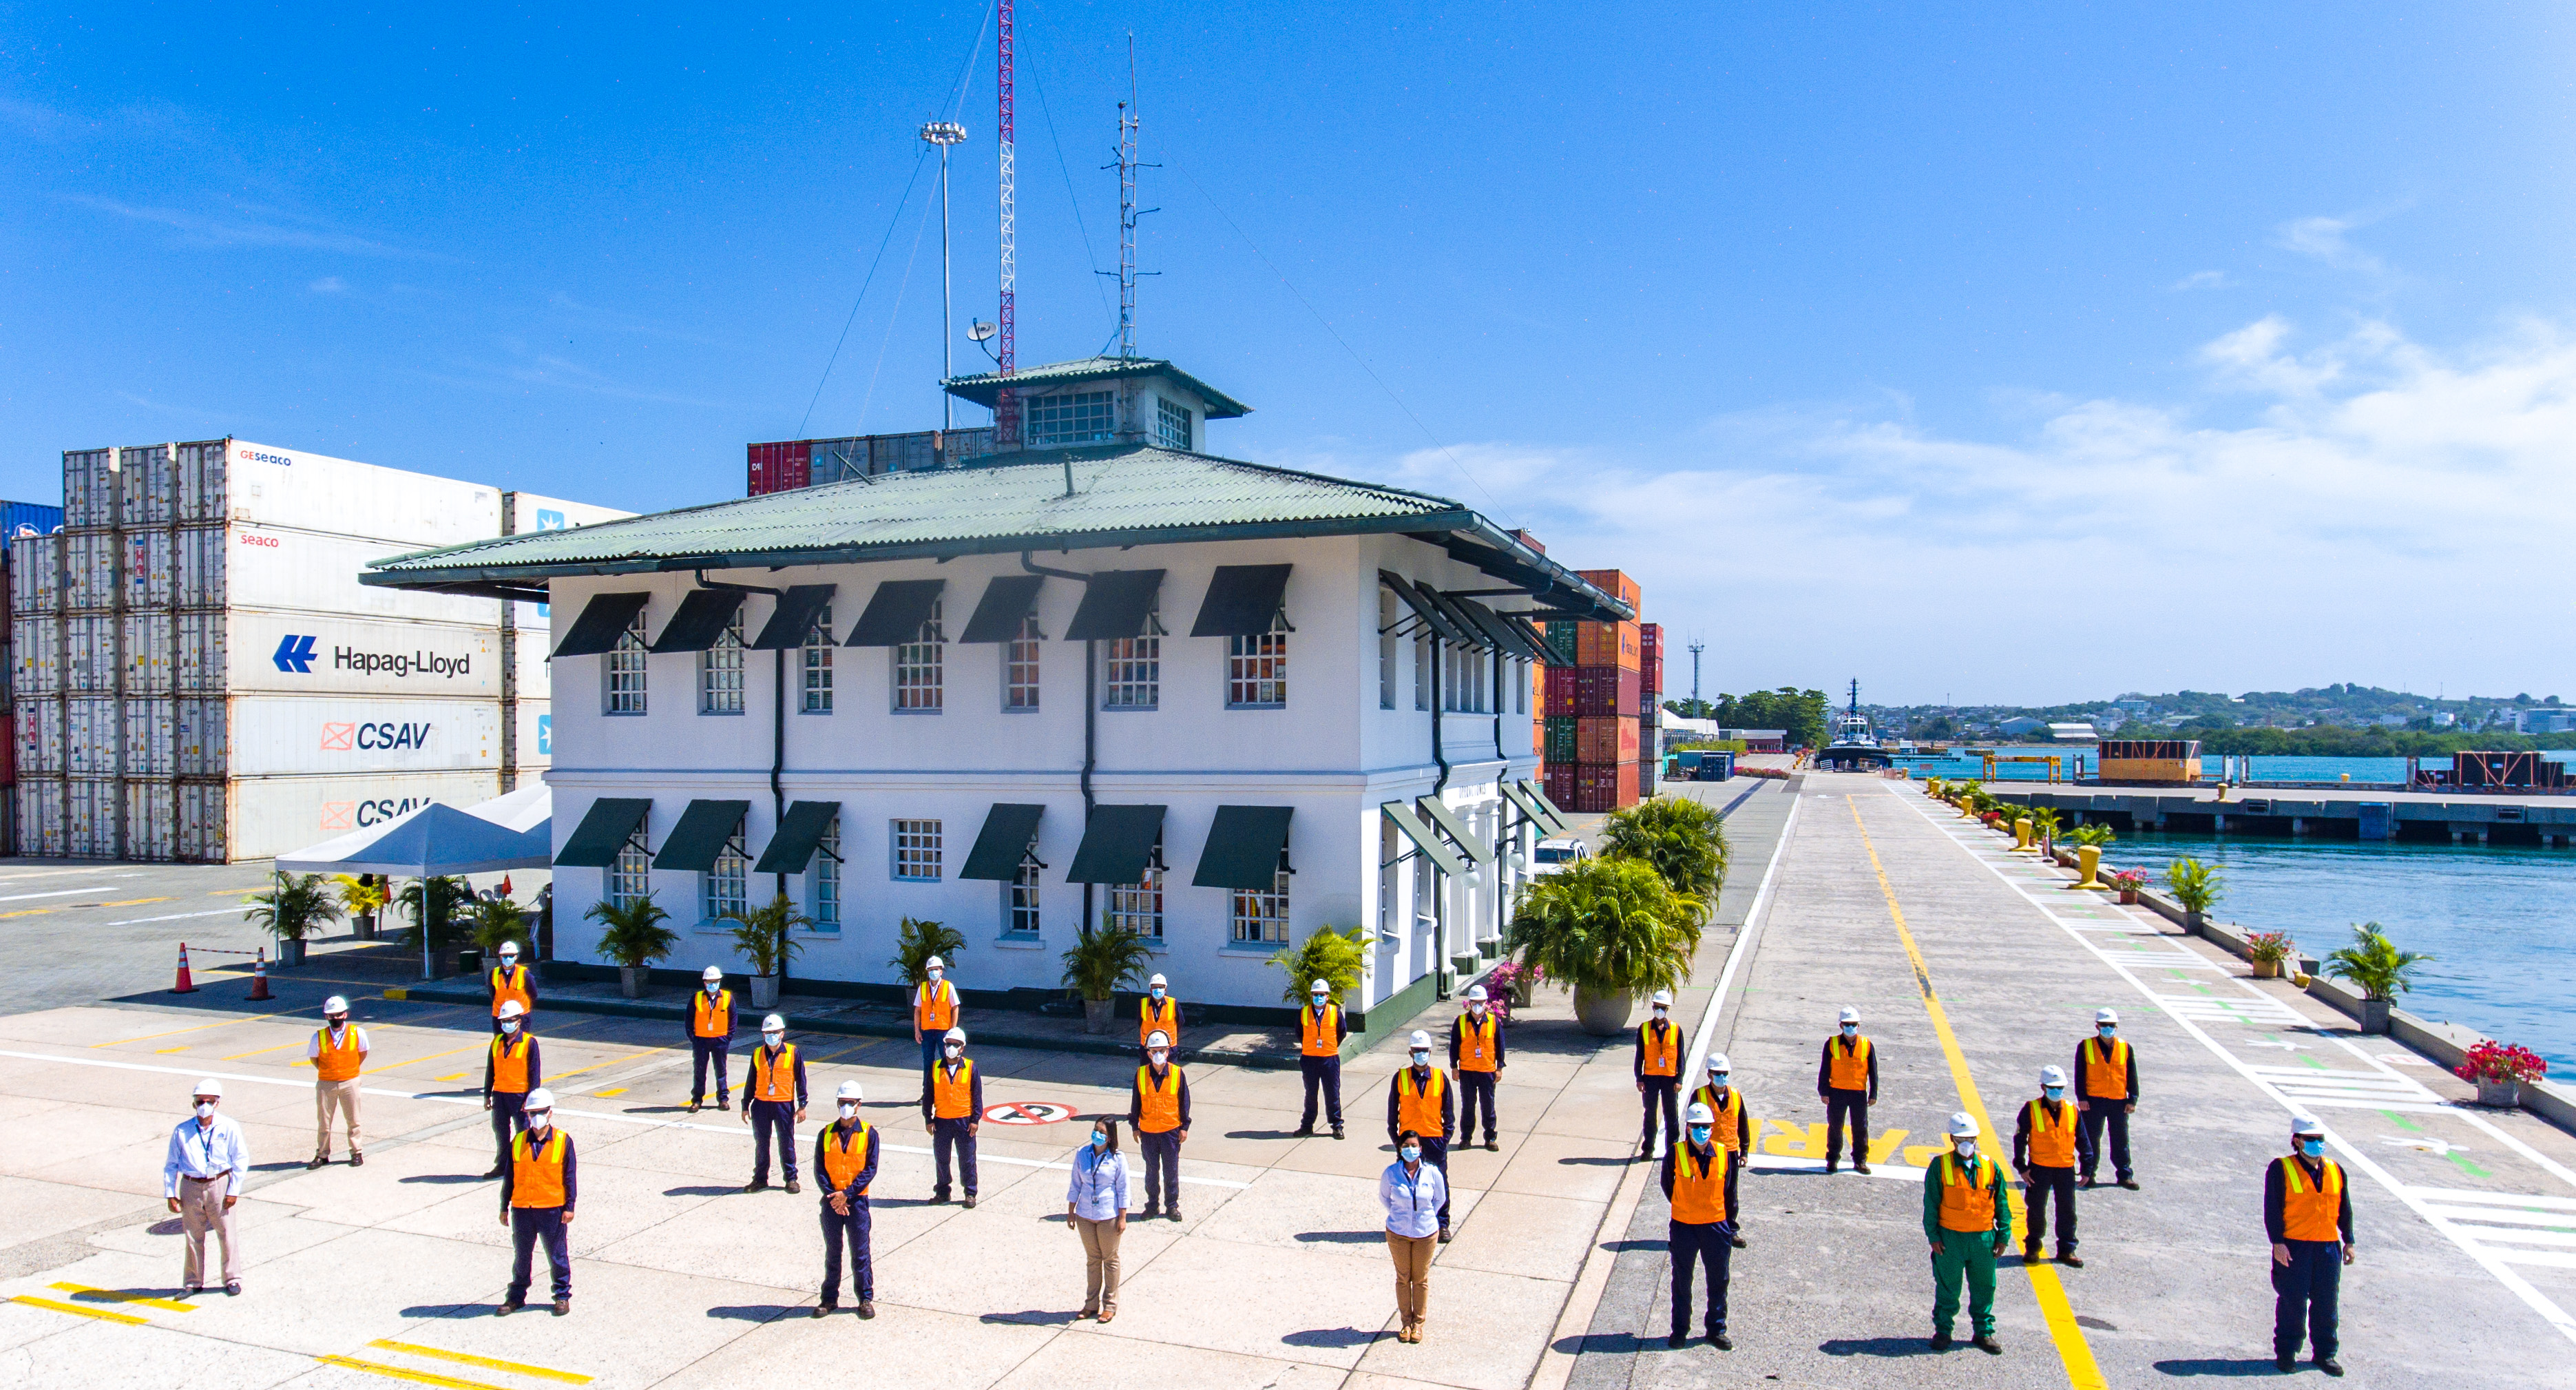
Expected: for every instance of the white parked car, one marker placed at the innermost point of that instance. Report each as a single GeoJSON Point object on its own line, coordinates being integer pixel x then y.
{"type": "Point", "coordinates": [1554, 855]}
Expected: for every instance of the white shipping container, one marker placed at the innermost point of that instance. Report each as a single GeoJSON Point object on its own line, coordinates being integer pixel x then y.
{"type": "Point", "coordinates": [88, 487]}
{"type": "Point", "coordinates": [530, 512]}
{"type": "Point", "coordinates": [92, 726]}
{"type": "Point", "coordinates": [199, 734]}
{"type": "Point", "coordinates": [151, 816]}
{"type": "Point", "coordinates": [260, 817]}
{"type": "Point", "coordinates": [150, 568]}
{"type": "Point", "coordinates": [310, 654]}
{"type": "Point", "coordinates": [305, 571]}
{"type": "Point", "coordinates": [147, 485]}
{"type": "Point", "coordinates": [39, 731]}
{"type": "Point", "coordinates": [263, 485]}
{"type": "Point", "coordinates": [533, 674]}
{"type": "Point", "coordinates": [89, 653]}
{"type": "Point", "coordinates": [269, 735]}
{"type": "Point", "coordinates": [93, 806]}
{"type": "Point", "coordinates": [202, 668]}
{"type": "Point", "coordinates": [36, 656]}
{"type": "Point", "coordinates": [90, 570]}
{"type": "Point", "coordinates": [151, 736]}
{"type": "Point", "coordinates": [40, 816]}
{"type": "Point", "coordinates": [36, 574]}
{"type": "Point", "coordinates": [149, 648]}
{"type": "Point", "coordinates": [536, 735]}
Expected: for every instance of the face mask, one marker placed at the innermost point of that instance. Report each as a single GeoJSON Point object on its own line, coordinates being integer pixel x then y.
{"type": "Point", "coordinates": [2108, 1032]}
{"type": "Point", "coordinates": [714, 986]}
{"type": "Point", "coordinates": [205, 1109]}
{"type": "Point", "coordinates": [1699, 1134]}
{"type": "Point", "coordinates": [1319, 1003]}
{"type": "Point", "coordinates": [1660, 1013]}
{"type": "Point", "coordinates": [509, 958]}
{"type": "Point", "coordinates": [1967, 1148]}
{"type": "Point", "coordinates": [1158, 1057]}
{"type": "Point", "coordinates": [956, 1050]}
{"type": "Point", "coordinates": [1412, 1154]}
{"type": "Point", "coordinates": [1477, 1007]}
{"type": "Point", "coordinates": [1099, 1140]}
{"type": "Point", "coordinates": [849, 1109]}
{"type": "Point", "coordinates": [337, 1023]}
{"type": "Point", "coordinates": [1717, 1079]}
{"type": "Point", "coordinates": [773, 1039]}
{"type": "Point", "coordinates": [936, 974]}
{"type": "Point", "coordinates": [1158, 991]}
{"type": "Point", "coordinates": [2055, 1092]}
{"type": "Point", "coordinates": [1851, 1030]}
{"type": "Point", "coordinates": [539, 1119]}
{"type": "Point", "coordinates": [2313, 1148]}
{"type": "Point", "coordinates": [509, 1026]}
{"type": "Point", "coordinates": [1421, 1059]}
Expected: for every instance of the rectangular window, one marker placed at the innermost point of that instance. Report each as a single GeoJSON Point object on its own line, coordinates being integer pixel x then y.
{"type": "Point", "coordinates": [918, 688]}
{"type": "Point", "coordinates": [823, 880]}
{"type": "Point", "coordinates": [818, 664]}
{"type": "Point", "coordinates": [1426, 895]}
{"type": "Point", "coordinates": [1520, 687]}
{"type": "Point", "coordinates": [722, 889]}
{"type": "Point", "coordinates": [1385, 650]}
{"type": "Point", "coordinates": [625, 668]}
{"type": "Point", "coordinates": [1261, 915]}
{"type": "Point", "coordinates": [916, 850]}
{"type": "Point", "coordinates": [1171, 424]}
{"type": "Point", "coordinates": [1136, 667]}
{"type": "Point", "coordinates": [1085, 418]}
{"type": "Point", "coordinates": [1256, 668]}
{"type": "Point", "coordinates": [1020, 667]}
{"type": "Point", "coordinates": [1139, 906]}
{"type": "Point", "coordinates": [630, 876]}
{"type": "Point", "coordinates": [720, 671]}
{"type": "Point", "coordinates": [1023, 890]}
{"type": "Point", "coordinates": [1422, 670]}
{"type": "Point", "coordinates": [1388, 885]}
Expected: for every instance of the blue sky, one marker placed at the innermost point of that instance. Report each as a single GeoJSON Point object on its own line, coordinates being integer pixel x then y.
{"type": "Point", "coordinates": [2029, 354]}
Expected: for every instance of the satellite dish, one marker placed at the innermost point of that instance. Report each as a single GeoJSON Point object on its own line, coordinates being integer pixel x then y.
{"type": "Point", "coordinates": [980, 331]}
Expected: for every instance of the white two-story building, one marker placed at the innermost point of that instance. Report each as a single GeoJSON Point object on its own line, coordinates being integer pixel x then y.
{"type": "Point", "coordinates": [1105, 678]}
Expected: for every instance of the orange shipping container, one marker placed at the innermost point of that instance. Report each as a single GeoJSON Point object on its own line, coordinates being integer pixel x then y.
{"type": "Point", "coordinates": [1608, 644]}
{"type": "Point", "coordinates": [1605, 739]}
{"type": "Point", "coordinates": [1604, 786]}
{"type": "Point", "coordinates": [1613, 583]}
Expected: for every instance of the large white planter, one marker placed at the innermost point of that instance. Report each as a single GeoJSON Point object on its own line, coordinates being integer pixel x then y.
{"type": "Point", "coordinates": [764, 991]}
{"type": "Point", "coordinates": [1603, 1015]}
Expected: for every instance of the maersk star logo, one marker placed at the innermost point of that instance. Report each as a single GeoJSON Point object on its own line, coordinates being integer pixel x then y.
{"type": "Point", "coordinates": [294, 655]}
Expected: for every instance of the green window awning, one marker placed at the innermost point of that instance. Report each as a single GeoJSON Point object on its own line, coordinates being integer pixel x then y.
{"type": "Point", "coordinates": [1455, 829]}
{"type": "Point", "coordinates": [604, 830]}
{"type": "Point", "coordinates": [800, 833]}
{"type": "Point", "coordinates": [702, 833]}
{"type": "Point", "coordinates": [1243, 846]}
{"type": "Point", "coordinates": [1241, 600]}
{"type": "Point", "coordinates": [1537, 641]}
{"type": "Point", "coordinates": [701, 620]}
{"type": "Point", "coordinates": [792, 621]}
{"type": "Point", "coordinates": [1554, 811]}
{"type": "Point", "coordinates": [1115, 604]}
{"type": "Point", "coordinates": [1004, 841]}
{"type": "Point", "coordinates": [1426, 841]}
{"type": "Point", "coordinates": [603, 620]}
{"type": "Point", "coordinates": [1117, 844]}
{"type": "Point", "coordinates": [1007, 600]}
{"type": "Point", "coordinates": [1522, 796]}
{"type": "Point", "coordinates": [1431, 615]}
{"type": "Point", "coordinates": [895, 613]}
{"type": "Point", "coordinates": [1469, 636]}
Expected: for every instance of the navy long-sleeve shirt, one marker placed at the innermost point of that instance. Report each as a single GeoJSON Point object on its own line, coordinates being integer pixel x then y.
{"type": "Point", "coordinates": [2275, 1193]}
{"type": "Point", "coordinates": [536, 1075]}
{"type": "Point", "coordinates": [1136, 1098]}
{"type": "Point", "coordinates": [2021, 1133]}
{"type": "Point", "coordinates": [975, 1101]}
{"type": "Point", "coordinates": [1825, 1065]}
{"type": "Point", "coordinates": [2083, 1093]}
{"type": "Point", "coordinates": [572, 1175]}
{"type": "Point", "coordinates": [1448, 1106]}
{"type": "Point", "coordinates": [828, 1138]}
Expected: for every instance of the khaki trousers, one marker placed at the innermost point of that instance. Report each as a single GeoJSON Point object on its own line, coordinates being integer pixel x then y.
{"type": "Point", "coordinates": [1100, 1264]}
{"type": "Point", "coordinates": [1412, 1275]}
{"type": "Point", "coordinates": [201, 1208]}
{"type": "Point", "coordinates": [330, 1095]}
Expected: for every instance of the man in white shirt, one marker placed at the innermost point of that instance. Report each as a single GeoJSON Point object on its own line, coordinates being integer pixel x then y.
{"type": "Point", "coordinates": [338, 1050]}
{"type": "Point", "coordinates": [202, 1177]}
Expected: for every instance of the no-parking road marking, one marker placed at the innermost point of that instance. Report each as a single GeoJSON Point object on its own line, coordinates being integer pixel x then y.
{"type": "Point", "coordinates": [1028, 1112]}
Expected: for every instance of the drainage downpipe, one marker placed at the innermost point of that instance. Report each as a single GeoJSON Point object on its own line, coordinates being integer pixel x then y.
{"type": "Point", "coordinates": [777, 738]}
{"type": "Point", "coordinates": [1090, 705]}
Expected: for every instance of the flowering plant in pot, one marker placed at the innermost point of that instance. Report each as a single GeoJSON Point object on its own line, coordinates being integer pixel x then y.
{"type": "Point", "coordinates": [1509, 987]}
{"type": "Point", "coordinates": [2128, 881]}
{"type": "Point", "coordinates": [2267, 950]}
{"type": "Point", "coordinates": [2500, 1069]}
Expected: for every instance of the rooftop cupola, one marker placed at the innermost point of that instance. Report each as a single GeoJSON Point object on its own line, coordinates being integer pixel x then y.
{"type": "Point", "coordinates": [1105, 400]}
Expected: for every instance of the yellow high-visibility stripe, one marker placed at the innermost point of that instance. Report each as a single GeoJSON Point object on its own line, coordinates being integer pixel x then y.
{"type": "Point", "coordinates": [101, 1314]}
{"type": "Point", "coordinates": [488, 1363]}
{"type": "Point", "coordinates": [121, 1296]}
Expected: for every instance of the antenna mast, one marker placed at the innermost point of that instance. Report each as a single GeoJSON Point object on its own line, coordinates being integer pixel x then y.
{"type": "Point", "coordinates": [1695, 649]}
{"type": "Point", "coordinates": [1006, 406]}
{"type": "Point", "coordinates": [944, 134]}
{"type": "Point", "coordinates": [1129, 123]}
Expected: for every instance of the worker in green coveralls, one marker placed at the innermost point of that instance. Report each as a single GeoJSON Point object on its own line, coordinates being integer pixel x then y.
{"type": "Point", "coordinates": [1969, 1222]}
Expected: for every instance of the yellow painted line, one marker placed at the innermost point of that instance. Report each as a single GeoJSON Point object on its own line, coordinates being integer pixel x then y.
{"type": "Point", "coordinates": [554, 1076]}
{"type": "Point", "coordinates": [405, 1373]}
{"type": "Point", "coordinates": [27, 912]}
{"type": "Point", "coordinates": [486, 1362]}
{"type": "Point", "coordinates": [164, 1051]}
{"type": "Point", "coordinates": [101, 1314]}
{"type": "Point", "coordinates": [121, 1296]}
{"type": "Point", "coordinates": [2081, 1370]}
{"type": "Point", "coordinates": [398, 995]}
{"type": "Point", "coordinates": [457, 1077]}
{"type": "Point", "coordinates": [389, 1066]}
{"type": "Point", "coordinates": [611, 1091]}
{"type": "Point", "coordinates": [258, 1050]}
{"type": "Point", "coordinates": [129, 902]}
{"type": "Point", "coordinates": [195, 1028]}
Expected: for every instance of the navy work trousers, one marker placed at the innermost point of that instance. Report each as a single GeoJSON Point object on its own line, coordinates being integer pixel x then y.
{"type": "Point", "coordinates": [1846, 1108]}
{"type": "Point", "coordinates": [2098, 1115]}
{"type": "Point", "coordinates": [526, 1224]}
{"type": "Point", "coordinates": [2305, 1291]}
{"type": "Point", "coordinates": [508, 1118]}
{"type": "Point", "coordinates": [1162, 1157]}
{"type": "Point", "coordinates": [772, 1117]}
{"type": "Point", "coordinates": [947, 1135]}
{"type": "Point", "coordinates": [1664, 1091]}
{"type": "Point", "coordinates": [2045, 1182]}
{"type": "Point", "coordinates": [852, 1230]}
{"type": "Point", "coordinates": [703, 1051]}
{"type": "Point", "coordinates": [1707, 1245]}
{"type": "Point", "coordinates": [1324, 1073]}
{"type": "Point", "coordinates": [1476, 1088]}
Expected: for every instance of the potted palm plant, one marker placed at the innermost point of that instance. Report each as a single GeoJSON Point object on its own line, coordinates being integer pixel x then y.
{"type": "Point", "coordinates": [2268, 950]}
{"type": "Point", "coordinates": [1331, 955]}
{"type": "Point", "coordinates": [1683, 841]}
{"type": "Point", "coordinates": [1611, 928]}
{"type": "Point", "coordinates": [432, 905]}
{"type": "Point", "coordinates": [2500, 1069]}
{"type": "Point", "coordinates": [765, 936]}
{"type": "Point", "coordinates": [494, 918]}
{"type": "Point", "coordinates": [363, 897]}
{"type": "Point", "coordinates": [294, 906]}
{"type": "Point", "coordinates": [2374, 965]}
{"type": "Point", "coordinates": [1105, 960]}
{"type": "Point", "coordinates": [2195, 888]}
{"type": "Point", "coordinates": [2044, 825]}
{"type": "Point", "coordinates": [915, 942]}
{"type": "Point", "coordinates": [631, 933]}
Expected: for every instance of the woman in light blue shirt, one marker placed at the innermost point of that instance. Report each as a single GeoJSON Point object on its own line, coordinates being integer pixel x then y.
{"type": "Point", "coordinates": [1095, 1206]}
{"type": "Point", "coordinates": [1413, 1193]}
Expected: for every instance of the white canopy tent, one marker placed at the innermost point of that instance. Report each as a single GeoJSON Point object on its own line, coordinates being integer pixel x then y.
{"type": "Point", "coordinates": [510, 832]}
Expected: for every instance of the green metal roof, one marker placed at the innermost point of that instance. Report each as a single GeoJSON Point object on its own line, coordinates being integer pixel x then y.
{"type": "Point", "coordinates": [985, 388]}
{"type": "Point", "coordinates": [1121, 495]}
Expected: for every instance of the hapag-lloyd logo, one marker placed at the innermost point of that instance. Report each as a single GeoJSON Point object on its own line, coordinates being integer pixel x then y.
{"type": "Point", "coordinates": [414, 663]}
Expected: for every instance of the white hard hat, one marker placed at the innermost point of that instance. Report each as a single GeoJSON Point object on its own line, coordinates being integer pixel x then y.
{"type": "Point", "coordinates": [1962, 1125]}
{"type": "Point", "coordinates": [1663, 997]}
{"type": "Point", "coordinates": [1158, 980]}
{"type": "Point", "coordinates": [1157, 1039]}
{"type": "Point", "coordinates": [773, 1024]}
{"type": "Point", "coordinates": [2304, 1126]}
{"type": "Point", "coordinates": [336, 1004]}
{"type": "Point", "coordinates": [1717, 1062]}
{"type": "Point", "coordinates": [1320, 987]}
{"type": "Point", "coordinates": [955, 1035]}
{"type": "Point", "coordinates": [1700, 1114]}
{"type": "Point", "coordinates": [934, 963]}
{"type": "Point", "coordinates": [539, 1099]}
{"type": "Point", "coordinates": [209, 1087]}
{"type": "Point", "coordinates": [2052, 1076]}
{"type": "Point", "coordinates": [509, 948]}
{"type": "Point", "coordinates": [849, 1091]}
{"type": "Point", "coordinates": [1475, 994]}
{"type": "Point", "coordinates": [2106, 1015]}
{"type": "Point", "coordinates": [511, 1008]}
{"type": "Point", "coordinates": [712, 973]}
{"type": "Point", "coordinates": [1420, 1038]}
{"type": "Point", "coordinates": [1851, 1015]}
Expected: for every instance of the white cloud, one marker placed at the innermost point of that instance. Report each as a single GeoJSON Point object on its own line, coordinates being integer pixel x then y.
{"type": "Point", "coordinates": [2375, 510]}
{"type": "Point", "coordinates": [251, 226]}
{"type": "Point", "coordinates": [2327, 239]}
{"type": "Point", "coordinates": [2203, 280]}
{"type": "Point", "coordinates": [328, 284]}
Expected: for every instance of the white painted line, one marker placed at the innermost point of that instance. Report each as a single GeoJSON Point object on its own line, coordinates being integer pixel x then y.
{"type": "Point", "coordinates": [57, 893]}
{"type": "Point", "coordinates": [2352, 1154]}
{"type": "Point", "coordinates": [2548, 1259]}
{"type": "Point", "coordinates": [2489, 1233]}
{"type": "Point", "coordinates": [180, 916]}
{"type": "Point", "coordinates": [2467, 1194]}
{"type": "Point", "coordinates": [2555, 1219]}
{"type": "Point", "coordinates": [476, 1102]}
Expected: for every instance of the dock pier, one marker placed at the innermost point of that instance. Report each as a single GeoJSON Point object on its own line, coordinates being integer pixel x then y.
{"type": "Point", "coordinates": [2356, 813]}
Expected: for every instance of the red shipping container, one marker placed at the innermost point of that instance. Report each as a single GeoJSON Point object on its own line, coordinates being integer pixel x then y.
{"type": "Point", "coordinates": [1604, 786]}
{"type": "Point", "coordinates": [1605, 691]}
{"type": "Point", "coordinates": [1650, 640]}
{"type": "Point", "coordinates": [1558, 780]}
{"type": "Point", "coordinates": [1611, 739]}
{"type": "Point", "coordinates": [1652, 678]}
{"type": "Point", "coordinates": [1556, 696]}
{"type": "Point", "coordinates": [1607, 644]}
{"type": "Point", "coordinates": [781, 467]}
{"type": "Point", "coordinates": [1613, 583]}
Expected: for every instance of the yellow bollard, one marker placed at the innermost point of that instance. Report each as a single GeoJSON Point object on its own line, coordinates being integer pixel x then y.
{"type": "Point", "coordinates": [2022, 836]}
{"type": "Point", "coordinates": [2088, 862]}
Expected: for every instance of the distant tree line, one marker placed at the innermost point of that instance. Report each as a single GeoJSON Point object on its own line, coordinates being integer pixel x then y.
{"type": "Point", "coordinates": [2341, 741]}
{"type": "Point", "coordinates": [1800, 712]}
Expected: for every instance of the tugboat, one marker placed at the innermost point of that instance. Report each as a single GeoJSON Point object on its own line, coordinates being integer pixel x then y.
{"type": "Point", "coordinates": [1855, 748]}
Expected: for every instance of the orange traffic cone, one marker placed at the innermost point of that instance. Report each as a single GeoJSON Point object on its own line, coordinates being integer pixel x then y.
{"type": "Point", "coordinates": [185, 985]}
{"type": "Point", "coordinates": [259, 976]}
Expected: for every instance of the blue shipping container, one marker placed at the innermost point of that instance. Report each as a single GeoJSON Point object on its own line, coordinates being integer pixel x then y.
{"type": "Point", "coordinates": [27, 519]}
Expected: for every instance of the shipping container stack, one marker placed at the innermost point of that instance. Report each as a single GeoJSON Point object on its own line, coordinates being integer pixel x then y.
{"type": "Point", "coordinates": [207, 680]}
{"type": "Point", "coordinates": [1650, 707]}
{"type": "Point", "coordinates": [1589, 747]}
{"type": "Point", "coordinates": [17, 520]}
